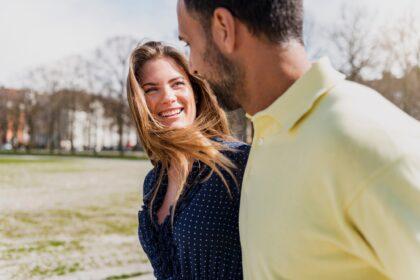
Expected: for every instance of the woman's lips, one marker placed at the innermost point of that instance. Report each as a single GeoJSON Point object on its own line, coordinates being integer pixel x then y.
{"type": "Point", "coordinates": [171, 113]}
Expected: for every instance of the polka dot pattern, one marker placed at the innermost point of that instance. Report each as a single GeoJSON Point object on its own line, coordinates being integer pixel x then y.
{"type": "Point", "coordinates": [204, 241]}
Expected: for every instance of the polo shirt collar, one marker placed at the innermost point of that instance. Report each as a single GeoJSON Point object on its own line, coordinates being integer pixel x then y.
{"type": "Point", "coordinates": [301, 96]}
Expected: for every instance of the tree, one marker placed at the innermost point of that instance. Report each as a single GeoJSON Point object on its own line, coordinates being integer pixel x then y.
{"type": "Point", "coordinates": [3, 116]}
{"type": "Point", "coordinates": [354, 41]}
{"type": "Point", "coordinates": [313, 37]}
{"type": "Point", "coordinates": [401, 42]}
{"type": "Point", "coordinates": [112, 64]}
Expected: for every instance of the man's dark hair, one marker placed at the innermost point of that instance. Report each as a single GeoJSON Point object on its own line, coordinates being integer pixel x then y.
{"type": "Point", "coordinates": [278, 20]}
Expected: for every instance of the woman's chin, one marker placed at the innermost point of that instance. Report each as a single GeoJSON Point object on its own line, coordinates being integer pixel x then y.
{"type": "Point", "coordinates": [176, 124]}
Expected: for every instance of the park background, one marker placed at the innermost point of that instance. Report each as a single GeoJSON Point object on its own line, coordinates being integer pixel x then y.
{"type": "Point", "coordinates": [71, 166]}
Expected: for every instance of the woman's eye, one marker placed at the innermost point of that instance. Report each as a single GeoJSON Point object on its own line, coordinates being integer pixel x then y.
{"type": "Point", "coordinates": [150, 90]}
{"type": "Point", "coordinates": [179, 83]}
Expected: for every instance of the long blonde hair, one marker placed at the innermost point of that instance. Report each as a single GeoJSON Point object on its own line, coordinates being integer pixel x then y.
{"type": "Point", "coordinates": [178, 147]}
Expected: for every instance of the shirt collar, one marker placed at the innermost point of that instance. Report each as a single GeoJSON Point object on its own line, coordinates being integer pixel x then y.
{"type": "Point", "coordinates": [301, 96]}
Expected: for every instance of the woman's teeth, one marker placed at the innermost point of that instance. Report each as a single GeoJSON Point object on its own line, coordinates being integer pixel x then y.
{"type": "Point", "coordinates": [170, 113]}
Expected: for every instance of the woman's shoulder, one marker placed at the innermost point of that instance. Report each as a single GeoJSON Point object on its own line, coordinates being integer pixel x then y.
{"type": "Point", "coordinates": [233, 144]}
{"type": "Point", "coordinates": [149, 182]}
{"type": "Point", "coordinates": [235, 149]}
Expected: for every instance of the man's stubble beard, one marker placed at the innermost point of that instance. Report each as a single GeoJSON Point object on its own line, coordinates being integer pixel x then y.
{"type": "Point", "coordinates": [226, 79]}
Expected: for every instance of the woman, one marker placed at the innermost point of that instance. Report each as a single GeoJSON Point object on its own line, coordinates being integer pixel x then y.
{"type": "Point", "coordinates": [188, 225]}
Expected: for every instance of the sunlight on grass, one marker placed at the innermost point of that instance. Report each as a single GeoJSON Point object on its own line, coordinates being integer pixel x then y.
{"type": "Point", "coordinates": [62, 216]}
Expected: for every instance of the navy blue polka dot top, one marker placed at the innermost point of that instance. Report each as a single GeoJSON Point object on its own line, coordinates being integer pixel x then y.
{"type": "Point", "coordinates": [204, 241]}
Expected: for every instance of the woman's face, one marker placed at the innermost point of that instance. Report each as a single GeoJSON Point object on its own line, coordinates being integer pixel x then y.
{"type": "Point", "coordinates": [168, 92]}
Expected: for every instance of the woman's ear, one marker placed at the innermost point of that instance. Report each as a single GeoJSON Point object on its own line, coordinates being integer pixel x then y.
{"type": "Point", "coordinates": [223, 30]}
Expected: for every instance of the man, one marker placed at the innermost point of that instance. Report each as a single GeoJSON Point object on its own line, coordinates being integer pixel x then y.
{"type": "Point", "coordinates": [332, 186]}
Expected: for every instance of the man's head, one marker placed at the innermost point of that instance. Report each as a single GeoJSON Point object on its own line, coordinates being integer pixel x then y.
{"type": "Point", "coordinates": [213, 28]}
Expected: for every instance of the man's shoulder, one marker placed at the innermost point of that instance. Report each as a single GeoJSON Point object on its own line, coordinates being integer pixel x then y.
{"type": "Point", "coordinates": [352, 106]}
{"type": "Point", "coordinates": [350, 97]}
{"type": "Point", "coordinates": [361, 119]}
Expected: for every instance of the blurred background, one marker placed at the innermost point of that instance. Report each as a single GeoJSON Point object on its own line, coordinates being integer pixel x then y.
{"type": "Point", "coordinates": [71, 166]}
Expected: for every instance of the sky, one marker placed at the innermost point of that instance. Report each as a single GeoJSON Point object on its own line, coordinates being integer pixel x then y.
{"type": "Point", "coordinates": [34, 33]}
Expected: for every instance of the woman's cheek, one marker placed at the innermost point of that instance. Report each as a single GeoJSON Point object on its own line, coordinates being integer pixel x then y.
{"type": "Point", "coordinates": [150, 105]}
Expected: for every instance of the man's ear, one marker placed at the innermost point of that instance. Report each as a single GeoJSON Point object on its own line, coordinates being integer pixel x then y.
{"type": "Point", "coordinates": [223, 30]}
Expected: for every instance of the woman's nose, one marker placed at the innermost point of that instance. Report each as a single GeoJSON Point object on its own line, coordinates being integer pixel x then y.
{"type": "Point", "coordinates": [169, 96]}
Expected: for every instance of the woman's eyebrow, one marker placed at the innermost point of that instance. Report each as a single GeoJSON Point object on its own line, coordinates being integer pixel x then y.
{"type": "Point", "coordinates": [149, 84]}
{"type": "Point", "coordinates": [176, 78]}
{"type": "Point", "coordinates": [155, 84]}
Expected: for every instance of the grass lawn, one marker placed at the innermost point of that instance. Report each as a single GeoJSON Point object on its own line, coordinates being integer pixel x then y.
{"type": "Point", "coordinates": [61, 216]}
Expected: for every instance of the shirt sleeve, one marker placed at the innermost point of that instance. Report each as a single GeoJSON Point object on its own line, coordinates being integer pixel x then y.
{"type": "Point", "coordinates": [387, 214]}
{"type": "Point", "coordinates": [148, 235]}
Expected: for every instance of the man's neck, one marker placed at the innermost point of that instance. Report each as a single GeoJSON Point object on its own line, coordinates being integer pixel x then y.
{"type": "Point", "coordinates": [270, 71]}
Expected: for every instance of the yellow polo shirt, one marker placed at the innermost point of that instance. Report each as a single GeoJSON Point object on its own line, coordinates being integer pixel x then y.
{"type": "Point", "coordinates": [332, 186]}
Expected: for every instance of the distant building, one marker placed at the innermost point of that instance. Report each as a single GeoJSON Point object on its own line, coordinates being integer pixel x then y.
{"type": "Point", "coordinates": [12, 118]}
{"type": "Point", "coordinates": [93, 131]}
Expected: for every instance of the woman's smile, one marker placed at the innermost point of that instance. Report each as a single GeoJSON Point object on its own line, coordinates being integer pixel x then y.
{"type": "Point", "coordinates": [171, 113]}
